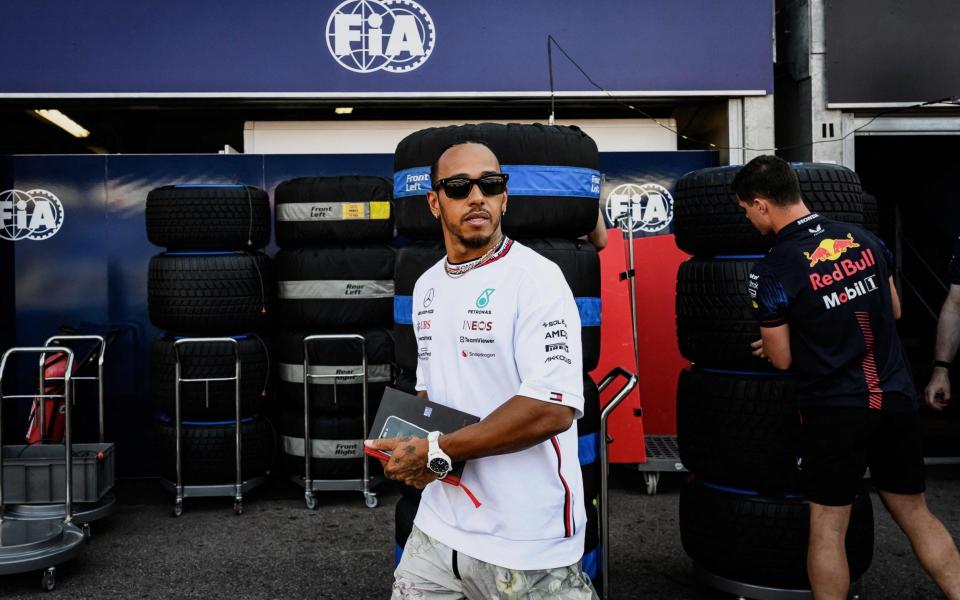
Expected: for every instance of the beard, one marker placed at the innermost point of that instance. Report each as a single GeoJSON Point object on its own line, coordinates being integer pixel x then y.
{"type": "Point", "coordinates": [476, 241]}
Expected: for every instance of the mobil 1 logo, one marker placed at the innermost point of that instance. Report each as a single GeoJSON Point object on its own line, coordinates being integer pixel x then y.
{"type": "Point", "coordinates": [365, 36]}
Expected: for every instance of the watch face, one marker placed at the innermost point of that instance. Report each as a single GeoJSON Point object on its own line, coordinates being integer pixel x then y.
{"type": "Point", "coordinates": [439, 465]}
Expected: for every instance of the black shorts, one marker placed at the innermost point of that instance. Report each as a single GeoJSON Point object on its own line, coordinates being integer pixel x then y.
{"type": "Point", "coordinates": [839, 444]}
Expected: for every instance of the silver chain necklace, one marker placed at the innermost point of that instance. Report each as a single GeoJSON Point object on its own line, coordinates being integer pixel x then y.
{"type": "Point", "coordinates": [459, 270]}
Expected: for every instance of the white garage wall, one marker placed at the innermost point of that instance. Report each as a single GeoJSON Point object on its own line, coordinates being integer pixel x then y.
{"type": "Point", "coordinates": [381, 137]}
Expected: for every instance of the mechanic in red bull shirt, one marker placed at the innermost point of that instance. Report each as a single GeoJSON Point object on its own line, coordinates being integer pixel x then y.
{"type": "Point", "coordinates": [937, 393]}
{"type": "Point", "coordinates": [827, 306]}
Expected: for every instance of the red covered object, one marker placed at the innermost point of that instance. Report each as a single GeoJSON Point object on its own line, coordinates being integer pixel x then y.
{"type": "Point", "coordinates": [656, 261]}
{"type": "Point", "coordinates": [53, 366]}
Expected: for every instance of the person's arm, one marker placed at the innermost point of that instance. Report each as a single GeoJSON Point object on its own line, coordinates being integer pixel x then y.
{"type": "Point", "coordinates": [895, 300]}
{"type": "Point", "coordinates": [937, 392]}
{"type": "Point", "coordinates": [774, 345]}
{"type": "Point", "coordinates": [598, 237]}
{"type": "Point", "coordinates": [771, 304]}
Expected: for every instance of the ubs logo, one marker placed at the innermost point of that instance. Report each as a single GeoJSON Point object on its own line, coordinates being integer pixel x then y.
{"type": "Point", "coordinates": [649, 206]}
{"type": "Point", "coordinates": [395, 36]}
{"type": "Point", "coordinates": [31, 215]}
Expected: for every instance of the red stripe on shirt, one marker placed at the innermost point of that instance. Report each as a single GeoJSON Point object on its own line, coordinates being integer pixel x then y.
{"type": "Point", "coordinates": [869, 363]}
{"type": "Point", "coordinates": [567, 499]}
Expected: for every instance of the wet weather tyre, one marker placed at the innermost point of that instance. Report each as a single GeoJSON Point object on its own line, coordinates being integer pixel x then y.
{"type": "Point", "coordinates": [534, 208]}
{"type": "Point", "coordinates": [337, 445]}
{"type": "Point", "coordinates": [336, 287]}
{"type": "Point", "coordinates": [580, 264]}
{"type": "Point", "coordinates": [229, 217]}
{"type": "Point", "coordinates": [344, 395]}
{"type": "Point", "coordinates": [762, 540]}
{"type": "Point", "coordinates": [215, 400]}
{"type": "Point", "coordinates": [208, 450]}
{"type": "Point", "coordinates": [218, 293]}
{"type": "Point", "coordinates": [715, 320]}
{"type": "Point", "coordinates": [708, 221]}
{"type": "Point", "coordinates": [412, 262]}
{"type": "Point", "coordinates": [324, 210]}
{"type": "Point", "coordinates": [739, 431]}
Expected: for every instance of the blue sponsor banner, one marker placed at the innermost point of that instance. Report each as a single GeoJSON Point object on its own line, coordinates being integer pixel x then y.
{"type": "Point", "coordinates": [422, 48]}
{"type": "Point", "coordinates": [525, 180]}
{"type": "Point", "coordinates": [588, 448]}
{"type": "Point", "coordinates": [403, 310]}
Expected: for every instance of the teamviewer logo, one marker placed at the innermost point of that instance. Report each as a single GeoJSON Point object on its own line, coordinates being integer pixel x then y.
{"type": "Point", "coordinates": [365, 36]}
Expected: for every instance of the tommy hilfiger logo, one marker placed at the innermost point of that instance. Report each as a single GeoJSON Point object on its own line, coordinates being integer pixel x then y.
{"type": "Point", "coordinates": [556, 396]}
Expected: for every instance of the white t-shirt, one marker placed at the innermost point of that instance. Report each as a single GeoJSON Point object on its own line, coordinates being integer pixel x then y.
{"type": "Point", "coordinates": [507, 328]}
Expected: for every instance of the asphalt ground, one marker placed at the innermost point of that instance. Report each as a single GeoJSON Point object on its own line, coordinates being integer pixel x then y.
{"type": "Point", "coordinates": [343, 550]}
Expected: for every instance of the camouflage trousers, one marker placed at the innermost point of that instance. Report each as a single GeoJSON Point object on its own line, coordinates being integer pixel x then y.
{"type": "Point", "coordinates": [430, 570]}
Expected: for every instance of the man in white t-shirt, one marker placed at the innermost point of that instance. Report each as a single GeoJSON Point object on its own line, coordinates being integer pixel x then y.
{"type": "Point", "coordinates": [498, 335]}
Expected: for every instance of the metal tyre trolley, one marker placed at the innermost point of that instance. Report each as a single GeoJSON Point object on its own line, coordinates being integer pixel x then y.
{"type": "Point", "coordinates": [87, 512]}
{"type": "Point", "coordinates": [30, 545]}
{"type": "Point", "coordinates": [605, 464]}
{"type": "Point", "coordinates": [311, 485]}
{"type": "Point", "coordinates": [239, 487]}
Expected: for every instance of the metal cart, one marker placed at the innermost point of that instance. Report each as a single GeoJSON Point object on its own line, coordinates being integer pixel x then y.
{"type": "Point", "coordinates": [239, 487]}
{"type": "Point", "coordinates": [309, 484]}
{"type": "Point", "coordinates": [605, 465]}
{"type": "Point", "coordinates": [34, 545]}
{"type": "Point", "coordinates": [84, 513]}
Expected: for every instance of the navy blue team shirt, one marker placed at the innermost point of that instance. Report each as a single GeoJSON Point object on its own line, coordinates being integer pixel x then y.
{"type": "Point", "coordinates": [830, 282]}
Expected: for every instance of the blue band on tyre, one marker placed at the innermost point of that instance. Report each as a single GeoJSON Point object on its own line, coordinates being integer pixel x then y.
{"type": "Point", "coordinates": [742, 492]}
{"type": "Point", "coordinates": [589, 309]}
{"type": "Point", "coordinates": [588, 446]}
{"type": "Point", "coordinates": [590, 563]}
{"type": "Point", "coordinates": [168, 419]}
{"type": "Point", "coordinates": [525, 180]}
{"type": "Point", "coordinates": [403, 310]}
{"type": "Point", "coordinates": [209, 185]}
{"type": "Point", "coordinates": [397, 553]}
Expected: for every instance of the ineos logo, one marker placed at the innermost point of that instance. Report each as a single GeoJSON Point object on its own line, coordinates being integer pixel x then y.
{"type": "Point", "coordinates": [31, 215]}
{"type": "Point", "coordinates": [365, 36]}
{"type": "Point", "coordinates": [649, 206]}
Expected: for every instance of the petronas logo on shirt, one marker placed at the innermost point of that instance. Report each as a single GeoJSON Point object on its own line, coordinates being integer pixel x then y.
{"type": "Point", "coordinates": [484, 298]}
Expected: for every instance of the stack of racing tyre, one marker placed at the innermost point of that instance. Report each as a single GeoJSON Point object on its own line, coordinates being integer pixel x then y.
{"type": "Point", "coordinates": [334, 277]}
{"type": "Point", "coordinates": [212, 281]}
{"type": "Point", "coordinates": [554, 191]}
{"type": "Point", "coordinates": [742, 516]}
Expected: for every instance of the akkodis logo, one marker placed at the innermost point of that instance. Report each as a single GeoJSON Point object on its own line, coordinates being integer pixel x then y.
{"type": "Point", "coordinates": [31, 215]}
{"type": "Point", "coordinates": [649, 206]}
{"type": "Point", "coordinates": [365, 36]}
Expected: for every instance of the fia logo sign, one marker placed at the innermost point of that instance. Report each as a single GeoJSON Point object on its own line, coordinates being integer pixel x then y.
{"type": "Point", "coordinates": [31, 215]}
{"type": "Point", "coordinates": [365, 36]}
{"type": "Point", "coordinates": [648, 206]}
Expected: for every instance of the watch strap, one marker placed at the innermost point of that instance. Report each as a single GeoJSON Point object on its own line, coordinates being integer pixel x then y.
{"type": "Point", "coordinates": [942, 363]}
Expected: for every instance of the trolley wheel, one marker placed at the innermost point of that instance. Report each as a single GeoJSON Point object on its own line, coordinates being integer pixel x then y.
{"type": "Point", "coordinates": [178, 508]}
{"type": "Point", "coordinates": [652, 480]}
{"type": "Point", "coordinates": [238, 507]}
{"type": "Point", "coordinates": [311, 501]}
{"type": "Point", "coordinates": [371, 500]}
{"type": "Point", "coordinates": [86, 532]}
{"type": "Point", "coordinates": [49, 580]}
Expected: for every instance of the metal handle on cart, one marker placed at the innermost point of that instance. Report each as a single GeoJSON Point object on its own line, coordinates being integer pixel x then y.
{"type": "Point", "coordinates": [604, 509]}
{"type": "Point", "coordinates": [68, 433]}
{"type": "Point", "coordinates": [307, 376]}
{"type": "Point", "coordinates": [238, 489]}
{"type": "Point", "coordinates": [99, 341]}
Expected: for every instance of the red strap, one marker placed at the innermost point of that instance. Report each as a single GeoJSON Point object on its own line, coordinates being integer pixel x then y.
{"type": "Point", "coordinates": [449, 479]}
{"type": "Point", "coordinates": [454, 480]}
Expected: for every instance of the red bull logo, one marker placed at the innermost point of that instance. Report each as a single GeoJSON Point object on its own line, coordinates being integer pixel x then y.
{"type": "Point", "coordinates": [830, 249]}
{"type": "Point", "coordinates": [843, 269]}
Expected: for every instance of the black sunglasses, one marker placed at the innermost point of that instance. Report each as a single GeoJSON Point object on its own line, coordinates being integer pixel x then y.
{"type": "Point", "coordinates": [458, 188]}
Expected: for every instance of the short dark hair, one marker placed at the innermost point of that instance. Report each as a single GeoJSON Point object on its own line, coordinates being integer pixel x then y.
{"type": "Point", "coordinates": [436, 162]}
{"type": "Point", "coordinates": [769, 177]}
